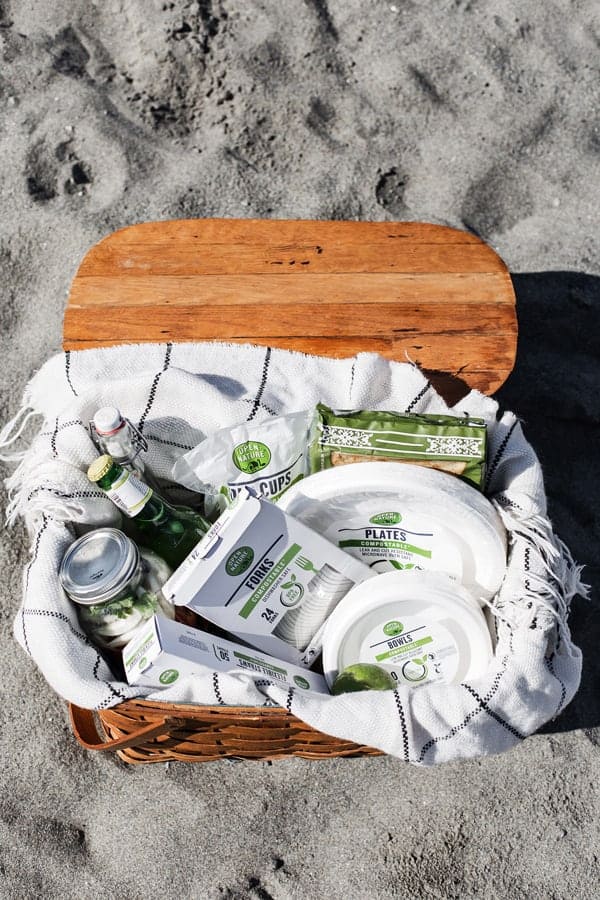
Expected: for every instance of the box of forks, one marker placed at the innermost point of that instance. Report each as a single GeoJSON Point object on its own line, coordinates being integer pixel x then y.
{"type": "Point", "coordinates": [266, 578]}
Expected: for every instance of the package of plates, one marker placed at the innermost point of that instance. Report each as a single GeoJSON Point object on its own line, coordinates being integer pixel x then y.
{"type": "Point", "coordinates": [397, 517]}
{"type": "Point", "coordinates": [437, 551]}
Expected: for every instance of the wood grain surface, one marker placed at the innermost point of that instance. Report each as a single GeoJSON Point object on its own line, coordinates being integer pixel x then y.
{"type": "Point", "coordinates": [435, 295]}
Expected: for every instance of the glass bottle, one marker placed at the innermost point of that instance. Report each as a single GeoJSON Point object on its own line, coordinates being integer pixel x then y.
{"type": "Point", "coordinates": [151, 521]}
{"type": "Point", "coordinates": [114, 434]}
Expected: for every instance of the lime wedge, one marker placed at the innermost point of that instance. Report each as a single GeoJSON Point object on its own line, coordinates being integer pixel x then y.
{"type": "Point", "coordinates": [363, 677]}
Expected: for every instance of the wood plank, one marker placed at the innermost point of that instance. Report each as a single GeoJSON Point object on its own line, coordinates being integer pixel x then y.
{"type": "Point", "coordinates": [217, 321]}
{"type": "Point", "coordinates": [191, 258]}
{"type": "Point", "coordinates": [432, 351]}
{"type": "Point", "coordinates": [268, 231]}
{"type": "Point", "coordinates": [315, 293]}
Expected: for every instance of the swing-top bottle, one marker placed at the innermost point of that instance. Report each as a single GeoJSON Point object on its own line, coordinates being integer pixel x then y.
{"type": "Point", "coordinates": [149, 519]}
{"type": "Point", "coordinates": [115, 435]}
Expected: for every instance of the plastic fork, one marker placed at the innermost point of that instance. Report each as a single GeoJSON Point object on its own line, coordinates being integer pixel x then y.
{"type": "Point", "coordinates": [306, 564]}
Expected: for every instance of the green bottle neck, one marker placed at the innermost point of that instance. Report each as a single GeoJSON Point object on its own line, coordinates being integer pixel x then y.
{"type": "Point", "coordinates": [111, 477]}
{"type": "Point", "coordinates": [155, 511]}
{"type": "Point", "coordinates": [148, 507]}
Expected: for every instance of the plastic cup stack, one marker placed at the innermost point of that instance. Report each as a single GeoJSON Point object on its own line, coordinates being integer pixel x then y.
{"type": "Point", "coordinates": [299, 625]}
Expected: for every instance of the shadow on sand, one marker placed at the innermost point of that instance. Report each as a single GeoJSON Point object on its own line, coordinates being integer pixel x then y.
{"type": "Point", "coordinates": [555, 389]}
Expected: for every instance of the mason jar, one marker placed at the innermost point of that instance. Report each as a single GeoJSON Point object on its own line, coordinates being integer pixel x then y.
{"type": "Point", "coordinates": [115, 584]}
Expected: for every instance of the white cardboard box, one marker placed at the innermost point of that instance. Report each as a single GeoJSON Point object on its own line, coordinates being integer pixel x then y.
{"type": "Point", "coordinates": [256, 565]}
{"type": "Point", "coordinates": [165, 651]}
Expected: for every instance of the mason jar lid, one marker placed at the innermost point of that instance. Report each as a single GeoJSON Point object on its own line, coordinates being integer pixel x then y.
{"type": "Point", "coordinates": [98, 566]}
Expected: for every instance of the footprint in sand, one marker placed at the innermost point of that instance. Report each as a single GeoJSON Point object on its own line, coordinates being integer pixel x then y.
{"type": "Point", "coordinates": [50, 172]}
{"type": "Point", "coordinates": [496, 202]}
{"type": "Point", "coordinates": [390, 191]}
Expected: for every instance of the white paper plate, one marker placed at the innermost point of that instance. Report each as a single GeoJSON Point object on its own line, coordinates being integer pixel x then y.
{"type": "Point", "coordinates": [471, 536]}
{"type": "Point", "coordinates": [420, 626]}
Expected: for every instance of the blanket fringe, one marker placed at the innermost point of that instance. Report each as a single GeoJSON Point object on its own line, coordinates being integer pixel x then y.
{"type": "Point", "coordinates": [555, 591]}
{"type": "Point", "coordinates": [43, 489]}
{"type": "Point", "coordinates": [14, 486]}
{"type": "Point", "coordinates": [7, 438]}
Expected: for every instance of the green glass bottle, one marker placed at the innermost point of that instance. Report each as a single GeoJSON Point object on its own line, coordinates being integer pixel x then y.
{"type": "Point", "coordinates": [150, 520]}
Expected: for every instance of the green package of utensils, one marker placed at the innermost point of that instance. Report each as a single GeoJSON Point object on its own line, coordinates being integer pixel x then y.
{"type": "Point", "coordinates": [452, 444]}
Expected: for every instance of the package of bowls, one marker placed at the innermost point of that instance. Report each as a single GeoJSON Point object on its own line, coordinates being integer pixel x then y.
{"type": "Point", "coordinates": [419, 626]}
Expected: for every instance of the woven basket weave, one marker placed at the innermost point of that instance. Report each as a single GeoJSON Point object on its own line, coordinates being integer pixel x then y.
{"type": "Point", "coordinates": [146, 732]}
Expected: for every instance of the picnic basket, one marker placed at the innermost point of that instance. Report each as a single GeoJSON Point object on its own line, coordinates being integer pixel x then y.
{"type": "Point", "coordinates": [432, 294]}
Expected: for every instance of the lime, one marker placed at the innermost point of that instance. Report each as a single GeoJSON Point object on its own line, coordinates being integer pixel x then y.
{"type": "Point", "coordinates": [363, 677]}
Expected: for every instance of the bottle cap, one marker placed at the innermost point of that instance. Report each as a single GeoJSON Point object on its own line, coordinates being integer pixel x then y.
{"type": "Point", "coordinates": [107, 420]}
{"type": "Point", "coordinates": [100, 467]}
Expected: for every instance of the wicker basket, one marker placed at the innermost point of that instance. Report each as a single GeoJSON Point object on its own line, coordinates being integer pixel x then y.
{"type": "Point", "coordinates": [434, 278]}
{"type": "Point", "coordinates": [145, 732]}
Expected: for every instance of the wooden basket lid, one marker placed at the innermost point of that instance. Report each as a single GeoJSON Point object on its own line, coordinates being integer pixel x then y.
{"type": "Point", "coordinates": [408, 290]}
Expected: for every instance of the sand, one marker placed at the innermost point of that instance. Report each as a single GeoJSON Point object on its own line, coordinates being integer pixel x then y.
{"type": "Point", "coordinates": [475, 114]}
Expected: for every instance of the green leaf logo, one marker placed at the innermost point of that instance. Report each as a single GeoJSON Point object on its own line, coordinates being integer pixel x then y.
{"type": "Point", "coordinates": [414, 670]}
{"type": "Point", "coordinates": [240, 560]}
{"type": "Point", "coordinates": [393, 628]}
{"type": "Point", "coordinates": [386, 518]}
{"type": "Point", "coordinates": [291, 593]}
{"type": "Point", "coordinates": [168, 676]}
{"type": "Point", "coordinates": [251, 457]}
{"type": "Point", "coordinates": [301, 682]}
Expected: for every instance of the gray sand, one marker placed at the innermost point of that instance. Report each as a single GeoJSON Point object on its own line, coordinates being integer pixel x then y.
{"type": "Point", "coordinates": [480, 115]}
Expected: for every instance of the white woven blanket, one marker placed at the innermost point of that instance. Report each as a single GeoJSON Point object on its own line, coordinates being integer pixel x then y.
{"type": "Point", "coordinates": [177, 394]}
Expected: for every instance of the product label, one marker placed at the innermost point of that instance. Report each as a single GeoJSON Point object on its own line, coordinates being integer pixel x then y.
{"type": "Point", "coordinates": [138, 658]}
{"type": "Point", "coordinates": [451, 443]}
{"type": "Point", "coordinates": [271, 485]}
{"type": "Point", "coordinates": [396, 442]}
{"type": "Point", "coordinates": [266, 578]}
{"type": "Point", "coordinates": [179, 651]}
{"type": "Point", "coordinates": [240, 560]}
{"type": "Point", "coordinates": [251, 456]}
{"type": "Point", "coordinates": [129, 494]}
{"type": "Point", "coordinates": [267, 457]}
{"type": "Point", "coordinates": [385, 541]}
{"type": "Point", "coordinates": [413, 651]}
{"type": "Point", "coordinates": [253, 664]}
